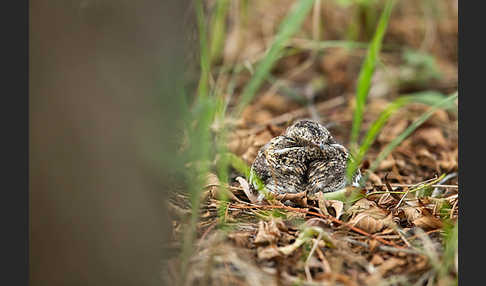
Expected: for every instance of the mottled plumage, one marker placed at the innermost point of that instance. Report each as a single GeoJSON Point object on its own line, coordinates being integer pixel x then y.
{"type": "Point", "coordinates": [305, 158]}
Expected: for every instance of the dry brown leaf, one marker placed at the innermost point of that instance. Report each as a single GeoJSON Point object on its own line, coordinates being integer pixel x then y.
{"type": "Point", "coordinates": [387, 163]}
{"type": "Point", "coordinates": [373, 244]}
{"type": "Point", "coordinates": [250, 154]}
{"type": "Point", "coordinates": [214, 189]}
{"type": "Point", "coordinates": [267, 232]}
{"type": "Point", "coordinates": [421, 217]}
{"type": "Point", "coordinates": [432, 136]}
{"type": "Point", "coordinates": [360, 205]}
{"type": "Point", "coordinates": [392, 130]}
{"type": "Point", "coordinates": [428, 222]}
{"type": "Point", "coordinates": [411, 213]}
{"type": "Point", "coordinates": [440, 117]}
{"type": "Point", "coordinates": [381, 270]}
{"type": "Point", "coordinates": [246, 189]}
{"type": "Point", "coordinates": [367, 216]}
{"type": "Point", "coordinates": [321, 201]}
{"type": "Point", "coordinates": [376, 259]}
{"type": "Point", "coordinates": [239, 143]}
{"type": "Point", "coordinates": [375, 179]}
{"type": "Point", "coordinates": [276, 104]}
{"type": "Point", "coordinates": [367, 222]}
{"type": "Point", "coordinates": [268, 252]}
{"type": "Point", "coordinates": [387, 200]}
{"type": "Point", "coordinates": [449, 160]}
{"type": "Point", "coordinates": [324, 204]}
{"type": "Point", "coordinates": [241, 239]}
{"type": "Point", "coordinates": [260, 116]}
{"type": "Point", "coordinates": [212, 182]}
{"type": "Point", "coordinates": [338, 207]}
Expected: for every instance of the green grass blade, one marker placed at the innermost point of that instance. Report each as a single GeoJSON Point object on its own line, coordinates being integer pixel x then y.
{"type": "Point", "coordinates": [199, 156]}
{"type": "Point", "coordinates": [289, 26]}
{"type": "Point", "coordinates": [392, 145]}
{"type": "Point", "coordinates": [366, 72]}
{"type": "Point", "coordinates": [451, 238]}
{"type": "Point", "coordinates": [373, 133]}
{"type": "Point", "coordinates": [322, 45]}
{"type": "Point", "coordinates": [203, 87]}
{"type": "Point", "coordinates": [346, 195]}
{"type": "Point", "coordinates": [431, 97]}
{"type": "Point", "coordinates": [239, 165]}
{"type": "Point", "coordinates": [425, 97]}
{"type": "Point", "coordinates": [218, 30]}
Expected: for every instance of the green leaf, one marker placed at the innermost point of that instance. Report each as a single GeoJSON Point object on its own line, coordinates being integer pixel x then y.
{"type": "Point", "coordinates": [366, 72]}
{"type": "Point", "coordinates": [203, 88]}
{"type": "Point", "coordinates": [399, 139]}
{"type": "Point", "coordinates": [218, 29]}
{"type": "Point", "coordinates": [425, 97]}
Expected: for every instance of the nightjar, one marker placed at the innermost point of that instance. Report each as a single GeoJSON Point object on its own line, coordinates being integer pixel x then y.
{"type": "Point", "coordinates": [305, 158]}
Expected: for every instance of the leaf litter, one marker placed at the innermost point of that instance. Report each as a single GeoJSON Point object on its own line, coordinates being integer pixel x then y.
{"type": "Point", "coordinates": [394, 232]}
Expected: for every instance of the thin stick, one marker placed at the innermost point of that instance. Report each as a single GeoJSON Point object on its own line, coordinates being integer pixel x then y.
{"type": "Point", "coordinates": [418, 188]}
{"type": "Point", "coordinates": [399, 232]}
{"type": "Point", "coordinates": [453, 207]}
{"type": "Point", "coordinates": [307, 270]}
{"type": "Point", "coordinates": [435, 186]}
{"type": "Point", "coordinates": [325, 264]}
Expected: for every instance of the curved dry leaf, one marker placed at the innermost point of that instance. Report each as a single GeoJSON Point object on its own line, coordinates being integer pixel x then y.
{"type": "Point", "coordinates": [213, 186]}
{"type": "Point", "coordinates": [387, 200]}
{"type": "Point", "coordinates": [321, 201]}
{"type": "Point", "coordinates": [372, 220]}
{"type": "Point", "coordinates": [212, 182]}
{"type": "Point", "coordinates": [411, 213]}
{"type": "Point", "coordinates": [361, 205]}
{"type": "Point", "coordinates": [338, 207]}
{"type": "Point", "coordinates": [246, 189]}
{"type": "Point", "coordinates": [267, 233]}
{"type": "Point", "coordinates": [367, 223]}
{"type": "Point", "coordinates": [421, 217]}
{"type": "Point", "coordinates": [375, 179]}
{"type": "Point", "coordinates": [428, 222]}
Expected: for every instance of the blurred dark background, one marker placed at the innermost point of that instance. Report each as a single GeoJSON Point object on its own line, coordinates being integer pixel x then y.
{"type": "Point", "coordinates": [104, 80]}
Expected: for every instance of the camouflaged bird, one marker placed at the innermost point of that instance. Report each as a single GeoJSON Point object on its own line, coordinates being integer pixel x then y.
{"type": "Point", "coordinates": [305, 158]}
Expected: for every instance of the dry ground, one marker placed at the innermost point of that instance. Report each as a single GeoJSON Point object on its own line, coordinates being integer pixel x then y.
{"type": "Point", "coordinates": [396, 234]}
